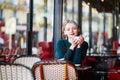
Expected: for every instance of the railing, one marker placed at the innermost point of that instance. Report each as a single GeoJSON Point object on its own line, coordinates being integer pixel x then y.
{"type": "Point", "coordinates": [7, 55]}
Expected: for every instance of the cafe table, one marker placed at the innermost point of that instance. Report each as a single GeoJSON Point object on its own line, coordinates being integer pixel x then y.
{"type": "Point", "coordinates": [84, 73]}
{"type": "Point", "coordinates": [101, 65]}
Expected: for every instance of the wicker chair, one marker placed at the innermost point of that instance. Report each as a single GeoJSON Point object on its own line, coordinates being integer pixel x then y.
{"type": "Point", "coordinates": [47, 50]}
{"type": "Point", "coordinates": [15, 72]}
{"type": "Point", "coordinates": [54, 70]}
{"type": "Point", "coordinates": [26, 60]}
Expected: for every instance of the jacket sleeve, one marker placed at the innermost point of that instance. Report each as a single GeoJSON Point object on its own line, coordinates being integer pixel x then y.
{"type": "Point", "coordinates": [59, 49]}
{"type": "Point", "coordinates": [80, 53]}
{"type": "Point", "coordinates": [62, 51]}
{"type": "Point", "coordinates": [84, 48]}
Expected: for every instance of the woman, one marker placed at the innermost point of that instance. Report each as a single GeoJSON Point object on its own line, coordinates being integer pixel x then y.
{"type": "Point", "coordinates": [73, 48]}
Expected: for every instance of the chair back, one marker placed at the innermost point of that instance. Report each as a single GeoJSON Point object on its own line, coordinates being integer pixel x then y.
{"type": "Point", "coordinates": [55, 70]}
{"type": "Point", "coordinates": [15, 72]}
{"type": "Point", "coordinates": [26, 60]}
{"type": "Point", "coordinates": [47, 50]}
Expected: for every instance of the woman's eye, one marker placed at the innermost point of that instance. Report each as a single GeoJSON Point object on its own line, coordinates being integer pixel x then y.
{"type": "Point", "coordinates": [71, 29]}
{"type": "Point", "coordinates": [68, 30]}
{"type": "Point", "coordinates": [75, 28]}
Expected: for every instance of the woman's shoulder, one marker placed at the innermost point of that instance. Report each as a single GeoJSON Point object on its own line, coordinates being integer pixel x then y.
{"type": "Point", "coordinates": [85, 44]}
{"type": "Point", "coordinates": [62, 40]}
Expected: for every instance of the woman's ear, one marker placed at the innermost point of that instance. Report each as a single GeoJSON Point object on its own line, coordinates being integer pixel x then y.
{"type": "Point", "coordinates": [64, 34]}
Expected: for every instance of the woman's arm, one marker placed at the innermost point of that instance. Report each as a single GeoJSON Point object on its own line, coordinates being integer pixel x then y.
{"type": "Point", "coordinates": [63, 50]}
{"type": "Point", "coordinates": [80, 53]}
{"type": "Point", "coordinates": [60, 49]}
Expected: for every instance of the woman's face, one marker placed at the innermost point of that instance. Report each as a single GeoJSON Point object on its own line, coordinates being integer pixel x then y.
{"type": "Point", "coordinates": [71, 30]}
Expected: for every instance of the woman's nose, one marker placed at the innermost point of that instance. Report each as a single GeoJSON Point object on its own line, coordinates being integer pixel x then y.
{"type": "Point", "coordinates": [71, 30]}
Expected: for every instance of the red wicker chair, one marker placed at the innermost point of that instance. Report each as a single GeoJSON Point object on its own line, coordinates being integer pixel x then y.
{"type": "Point", "coordinates": [47, 50]}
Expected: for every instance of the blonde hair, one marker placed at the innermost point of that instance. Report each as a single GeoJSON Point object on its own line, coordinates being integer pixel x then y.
{"type": "Point", "coordinates": [65, 23]}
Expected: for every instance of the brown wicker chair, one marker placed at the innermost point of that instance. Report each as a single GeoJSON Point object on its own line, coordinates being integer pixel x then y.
{"type": "Point", "coordinates": [15, 72]}
{"type": "Point", "coordinates": [55, 70]}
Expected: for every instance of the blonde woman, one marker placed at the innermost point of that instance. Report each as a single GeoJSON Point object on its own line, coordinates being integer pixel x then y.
{"type": "Point", "coordinates": [72, 48]}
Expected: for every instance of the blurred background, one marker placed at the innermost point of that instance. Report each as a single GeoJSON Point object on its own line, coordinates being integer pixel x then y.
{"type": "Point", "coordinates": [98, 21]}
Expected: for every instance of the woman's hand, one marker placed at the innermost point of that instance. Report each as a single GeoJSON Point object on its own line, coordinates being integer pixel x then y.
{"type": "Point", "coordinates": [80, 41]}
{"type": "Point", "coordinates": [76, 41]}
{"type": "Point", "coordinates": [73, 42]}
